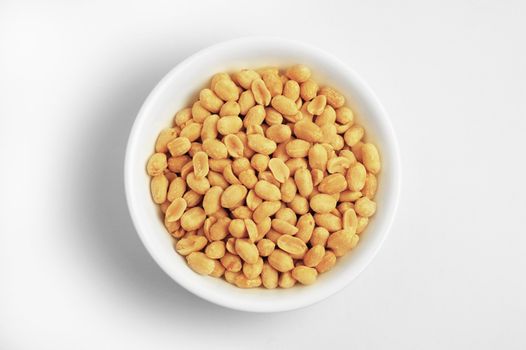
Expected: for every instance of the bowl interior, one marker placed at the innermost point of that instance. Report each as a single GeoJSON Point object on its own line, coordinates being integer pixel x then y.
{"type": "Point", "coordinates": [179, 89]}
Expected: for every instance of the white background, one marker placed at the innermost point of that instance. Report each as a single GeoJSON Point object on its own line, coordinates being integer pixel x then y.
{"type": "Point", "coordinates": [73, 273]}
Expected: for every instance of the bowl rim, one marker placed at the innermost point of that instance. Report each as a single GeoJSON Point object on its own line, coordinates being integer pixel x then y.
{"type": "Point", "coordinates": [395, 171]}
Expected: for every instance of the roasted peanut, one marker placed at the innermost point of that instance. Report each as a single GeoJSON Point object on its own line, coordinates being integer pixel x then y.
{"type": "Point", "coordinates": [260, 92]}
{"type": "Point", "coordinates": [356, 177]}
{"type": "Point", "coordinates": [280, 260]}
{"type": "Point", "coordinates": [365, 207]}
{"type": "Point", "coordinates": [334, 98]}
{"type": "Point", "coordinates": [200, 263]}
{"type": "Point", "coordinates": [215, 250]}
{"type": "Point", "coordinates": [226, 90]}
{"type": "Point", "coordinates": [242, 281]}
{"type": "Point", "coordinates": [156, 164]}
{"type": "Point", "coordinates": [284, 105]}
{"type": "Point", "coordinates": [322, 203]}
{"type": "Point", "coordinates": [233, 195]}
{"type": "Point", "coordinates": [314, 255]}
{"type": "Point", "coordinates": [175, 210]}
{"type": "Point", "coordinates": [229, 125]}
{"type": "Point", "coordinates": [284, 227]}
{"type": "Point", "coordinates": [190, 244]}
{"type": "Point", "coordinates": [371, 159]}
{"type": "Point", "coordinates": [279, 133]}
{"type": "Point", "coordinates": [159, 188]}
{"type": "Point", "coordinates": [371, 184]}
{"type": "Point", "coordinates": [303, 180]}
{"type": "Point", "coordinates": [247, 250]}
{"type": "Point", "coordinates": [267, 191]}
{"type": "Point", "coordinates": [304, 275]}
{"type": "Point", "coordinates": [252, 271]}
{"type": "Point", "coordinates": [331, 184]}
{"type": "Point", "coordinates": [299, 73]}
{"type": "Point", "coordinates": [297, 148]}
{"type": "Point", "coordinates": [231, 262]}
{"type": "Point", "coordinates": [308, 131]}
{"type": "Point", "coordinates": [353, 135]}
{"type": "Point", "coordinates": [265, 247]}
{"type": "Point", "coordinates": [215, 149]}
{"type": "Point", "coordinates": [193, 219]}
{"type": "Point", "coordinates": [269, 276]}
{"type": "Point", "coordinates": [234, 146]}
{"type": "Point", "coordinates": [291, 90]}
{"type": "Point", "coordinates": [286, 280]}
{"type": "Point", "coordinates": [261, 144]}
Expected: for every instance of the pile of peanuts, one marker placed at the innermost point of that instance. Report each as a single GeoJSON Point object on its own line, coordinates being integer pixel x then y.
{"type": "Point", "coordinates": [266, 179]}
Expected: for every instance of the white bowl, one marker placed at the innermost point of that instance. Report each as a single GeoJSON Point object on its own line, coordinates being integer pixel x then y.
{"type": "Point", "coordinates": [177, 90]}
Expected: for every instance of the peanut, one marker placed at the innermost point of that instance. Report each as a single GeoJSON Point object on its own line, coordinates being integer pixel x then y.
{"type": "Point", "coordinates": [280, 260]}
{"type": "Point", "coordinates": [159, 188]}
{"type": "Point", "coordinates": [371, 159]}
{"type": "Point", "coordinates": [229, 125]}
{"type": "Point", "coordinates": [246, 101]}
{"type": "Point", "coordinates": [314, 256]}
{"type": "Point", "coordinates": [286, 280]}
{"type": "Point", "coordinates": [215, 149]}
{"type": "Point", "coordinates": [179, 146]}
{"type": "Point", "coordinates": [247, 250]}
{"type": "Point", "coordinates": [190, 244]}
{"type": "Point", "coordinates": [269, 276]}
{"type": "Point", "coordinates": [175, 210]}
{"type": "Point", "coordinates": [299, 73]}
{"type": "Point", "coordinates": [317, 105]}
{"type": "Point", "coordinates": [193, 219]}
{"type": "Point", "coordinates": [233, 195]}
{"type": "Point", "coordinates": [304, 275]}
{"type": "Point", "coordinates": [353, 135]}
{"type": "Point", "coordinates": [231, 262]}
{"type": "Point", "coordinates": [267, 191]}
{"type": "Point", "coordinates": [278, 168]}
{"type": "Point", "coordinates": [322, 203]}
{"type": "Point", "coordinates": [328, 221]}
{"type": "Point", "coordinates": [303, 180]}
{"type": "Point", "coordinates": [356, 177]}
{"type": "Point", "coordinates": [284, 227]}
{"type": "Point", "coordinates": [331, 184]}
{"type": "Point", "coordinates": [243, 282]}
{"type": "Point", "coordinates": [370, 186]}
{"type": "Point", "coordinates": [252, 271]}
{"type": "Point", "coordinates": [319, 236]}
{"type": "Point", "coordinates": [200, 263]}
{"type": "Point", "coordinates": [156, 164]}
{"type": "Point", "coordinates": [234, 146]}
{"type": "Point", "coordinates": [265, 247]}
{"type": "Point", "coordinates": [297, 148]}
{"type": "Point", "coordinates": [226, 90]}
{"type": "Point", "coordinates": [291, 90]}
{"type": "Point", "coordinates": [292, 245]}
{"type": "Point", "coordinates": [260, 91]}
{"type": "Point", "coordinates": [334, 98]}
{"type": "Point", "coordinates": [183, 116]}
{"type": "Point", "coordinates": [215, 250]}
{"type": "Point", "coordinates": [284, 105]}
{"type": "Point", "coordinates": [365, 207]}
{"type": "Point", "coordinates": [279, 133]}
{"type": "Point", "coordinates": [308, 131]}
